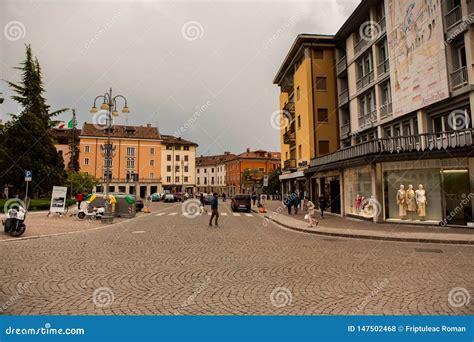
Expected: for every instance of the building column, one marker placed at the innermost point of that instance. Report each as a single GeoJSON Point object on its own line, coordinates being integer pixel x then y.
{"type": "Point", "coordinates": [377, 191]}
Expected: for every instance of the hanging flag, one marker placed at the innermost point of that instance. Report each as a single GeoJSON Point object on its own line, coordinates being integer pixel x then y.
{"type": "Point", "coordinates": [72, 122]}
{"type": "Point", "coordinates": [61, 124]}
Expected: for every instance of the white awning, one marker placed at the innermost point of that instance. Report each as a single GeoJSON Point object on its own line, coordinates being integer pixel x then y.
{"type": "Point", "coordinates": [296, 174]}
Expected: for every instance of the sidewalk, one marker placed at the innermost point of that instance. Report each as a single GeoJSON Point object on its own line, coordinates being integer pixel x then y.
{"type": "Point", "coordinates": [334, 225]}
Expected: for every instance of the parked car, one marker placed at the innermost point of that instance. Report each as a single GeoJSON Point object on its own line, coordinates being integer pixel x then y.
{"type": "Point", "coordinates": [155, 197]}
{"type": "Point", "coordinates": [241, 202]}
{"type": "Point", "coordinates": [169, 198]}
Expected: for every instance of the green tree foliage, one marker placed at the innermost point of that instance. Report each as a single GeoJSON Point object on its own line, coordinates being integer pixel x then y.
{"type": "Point", "coordinates": [274, 182]}
{"type": "Point", "coordinates": [81, 182]}
{"type": "Point", "coordinates": [27, 142]}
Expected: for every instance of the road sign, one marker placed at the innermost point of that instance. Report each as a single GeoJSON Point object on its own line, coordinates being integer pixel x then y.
{"type": "Point", "coordinates": [265, 180]}
{"type": "Point", "coordinates": [28, 175]}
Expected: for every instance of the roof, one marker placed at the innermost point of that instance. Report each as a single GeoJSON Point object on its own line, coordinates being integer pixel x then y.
{"type": "Point", "coordinates": [302, 39]}
{"type": "Point", "coordinates": [259, 154]}
{"type": "Point", "coordinates": [357, 17]}
{"type": "Point", "coordinates": [214, 160]}
{"type": "Point", "coordinates": [121, 131]}
{"type": "Point", "coordinates": [172, 140]}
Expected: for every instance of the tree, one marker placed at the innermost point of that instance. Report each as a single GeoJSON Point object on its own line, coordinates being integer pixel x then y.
{"type": "Point", "coordinates": [274, 182]}
{"type": "Point", "coordinates": [81, 181]}
{"type": "Point", "coordinates": [27, 141]}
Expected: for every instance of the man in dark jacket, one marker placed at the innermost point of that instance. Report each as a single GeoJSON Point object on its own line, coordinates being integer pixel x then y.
{"type": "Point", "coordinates": [215, 212]}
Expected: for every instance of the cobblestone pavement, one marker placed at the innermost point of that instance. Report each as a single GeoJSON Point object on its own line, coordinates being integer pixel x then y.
{"type": "Point", "coordinates": [166, 263]}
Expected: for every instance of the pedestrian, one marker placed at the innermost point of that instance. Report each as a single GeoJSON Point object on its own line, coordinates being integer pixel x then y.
{"type": "Point", "coordinates": [203, 203]}
{"type": "Point", "coordinates": [296, 203]}
{"type": "Point", "coordinates": [289, 203]}
{"type": "Point", "coordinates": [214, 209]}
{"type": "Point", "coordinates": [79, 199]}
{"type": "Point", "coordinates": [323, 204]}
{"type": "Point", "coordinates": [223, 197]}
{"type": "Point", "coordinates": [254, 198]}
{"type": "Point", "coordinates": [310, 208]}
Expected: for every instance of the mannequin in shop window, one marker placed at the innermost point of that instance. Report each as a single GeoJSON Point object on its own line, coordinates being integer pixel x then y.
{"type": "Point", "coordinates": [358, 203]}
{"type": "Point", "coordinates": [421, 202]}
{"type": "Point", "coordinates": [401, 201]}
{"type": "Point", "coordinates": [410, 201]}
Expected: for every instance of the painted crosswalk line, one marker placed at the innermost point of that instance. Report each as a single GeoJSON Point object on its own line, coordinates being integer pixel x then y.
{"type": "Point", "coordinates": [224, 214]}
{"type": "Point", "coordinates": [236, 214]}
{"type": "Point", "coordinates": [160, 214]}
{"type": "Point", "coordinates": [172, 214]}
{"type": "Point", "coordinates": [250, 215]}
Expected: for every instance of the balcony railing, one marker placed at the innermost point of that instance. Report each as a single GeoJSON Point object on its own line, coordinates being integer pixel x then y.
{"type": "Point", "coordinates": [382, 25]}
{"type": "Point", "coordinates": [414, 143]}
{"type": "Point", "coordinates": [470, 6]}
{"type": "Point", "coordinates": [345, 128]}
{"type": "Point", "coordinates": [459, 78]}
{"type": "Point", "coordinates": [386, 110]}
{"type": "Point", "coordinates": [360, 45]}
{"type": "Point", "coordinates": [383, 68]}
{"type": "Point", "coordinates": [289, 107]}
{"type": "Point", "coordinates": [368, 119]}
{"type": "Point", "coordinates": [289, 137]}
{"type": "Point", "coordinates": [453, 17]}
{"type": "Point", "coordinates": [365, 80]}
{"type": "Point", "coordinates": [341, 65]}
{"type": "Point", "coordinates": [289, 164]}
{"type": "Point", "coordinates": [343, 97]}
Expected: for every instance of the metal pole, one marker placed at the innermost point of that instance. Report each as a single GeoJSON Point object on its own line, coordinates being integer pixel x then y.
{"type": "Point", "coordinates": [107, 218]}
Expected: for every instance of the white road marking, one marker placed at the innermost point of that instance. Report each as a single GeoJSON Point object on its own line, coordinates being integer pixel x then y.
{"type": "Point", "coordinates": [160, 214]}
{"type": "Point", "coordinates": [236, 214]}
{"type": "Point", "coordinates": [248, 215]}
{"type": "Point", "coordinates": [138, 232]}
{"type": "Point", "coordinates": [172, 214]}
{"type": "Point", "coordinates": [224, 214]}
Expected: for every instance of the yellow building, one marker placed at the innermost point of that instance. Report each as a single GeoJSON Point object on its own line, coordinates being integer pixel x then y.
{"type": "Point", "coordinates": [135, 166]}
{"type": "Point", "coordinates": [309, 117]}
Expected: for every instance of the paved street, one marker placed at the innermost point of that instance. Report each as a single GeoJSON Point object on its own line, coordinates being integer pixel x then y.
{"type": "Point", "coordinates": [167, 263]}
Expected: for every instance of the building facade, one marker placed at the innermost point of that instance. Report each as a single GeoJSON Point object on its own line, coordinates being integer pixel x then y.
{"type": "Point", "coordinates": [309, 117]}
{"type": "Point", "coordinates": [178, 168]}
{"type": "Point", "coordinates": [405, 88]}
{"type": "Point", "coordinates": [245, 172]}
{"type": "Point", "coordinates": [211, 173]}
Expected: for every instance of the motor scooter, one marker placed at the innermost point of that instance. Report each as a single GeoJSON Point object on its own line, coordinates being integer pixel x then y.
{"type": "Point", "coordinates": [94, 213]}
{"type": "Point", "coordinates": [14, 224]}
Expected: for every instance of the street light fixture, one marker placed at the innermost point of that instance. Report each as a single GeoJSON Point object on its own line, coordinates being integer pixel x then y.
{"type": "Point", "coordinates": [110, 105]}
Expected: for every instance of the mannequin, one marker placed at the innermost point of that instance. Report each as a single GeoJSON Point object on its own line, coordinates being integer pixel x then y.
{"type": "Point", "coordinates": [410, 201]}
{"type": "Point", "coordinates": [358, 203]}
{"type": "Point", "coordinates": [421, 202]}
{"type": "Point", "coordinates": [402, 205]}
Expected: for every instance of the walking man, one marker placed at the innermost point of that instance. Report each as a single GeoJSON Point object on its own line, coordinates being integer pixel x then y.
{"type": "Point", "coordinates": [214, 210]}
{"type": "Point", "coordinates": [79, 199]}
{"type": "Point", "coordinates": [323, 204]}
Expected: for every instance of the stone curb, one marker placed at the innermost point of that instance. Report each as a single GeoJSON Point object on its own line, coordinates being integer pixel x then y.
{"type": "Point", "coordinates": [368, 237]}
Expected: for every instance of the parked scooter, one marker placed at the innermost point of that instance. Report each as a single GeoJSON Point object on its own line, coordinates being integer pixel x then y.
{"type": "Point", "coordinates": [93, 213]}
{"type": "Point", "coordinates": [14, 222]}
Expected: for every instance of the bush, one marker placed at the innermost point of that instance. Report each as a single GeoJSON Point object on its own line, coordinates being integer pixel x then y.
{"type": "Point", "coordinates": [38, 204]}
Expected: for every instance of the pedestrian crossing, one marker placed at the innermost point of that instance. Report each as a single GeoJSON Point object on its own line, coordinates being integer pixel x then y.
{"type": "Point", "coordinates": [208, 214]}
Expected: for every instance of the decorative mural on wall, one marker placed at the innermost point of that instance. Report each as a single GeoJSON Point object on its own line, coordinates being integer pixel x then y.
{"type": "Point", "coordinates": [417, 57]}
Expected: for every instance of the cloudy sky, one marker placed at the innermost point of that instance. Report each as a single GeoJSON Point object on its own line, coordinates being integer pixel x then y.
{"type": "Point", "coordinates": [204, 69]}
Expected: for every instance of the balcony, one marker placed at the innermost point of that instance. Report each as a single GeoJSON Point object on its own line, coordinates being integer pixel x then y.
{"type": "Point", "coordinates": [343, 97]}
{"type": "Point", "coordinates": [341, 65]}
{"type": "Point", "coordinates": [383, 68]}
{"type": "Point", "coordinates": [459, 78]}
{"type": "Point", "coordinates": [470, 6]}
{"type": "Point", "coordinates": [289, 107]}
{"type": "Point", "coordinates": [382, 25]}
{"type": "Point", "coordinates": [289, 137]}
{"type": "Point", "coordinates": [415, 144]}
{"type": "Point", "coordinates": [367, 120]}
{"type": "Point", "coordinates": [360, 45]}
{"type": "Point", "coordinates": [290, 164]}
{"type": "Point", "coordinates": [386, 110]}
{"type": "Point", "coordinates": [365, 80]}
{"type": "Point", "coordinates": [453, 17]}
{"type": "Point", "coordinates": [345, 129]}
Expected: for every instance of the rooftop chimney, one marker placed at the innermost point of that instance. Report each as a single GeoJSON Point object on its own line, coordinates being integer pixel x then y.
{"type": "Point", "coordinates": [248, 150]}
{"type": "Point", "coordinates": [148, 125]}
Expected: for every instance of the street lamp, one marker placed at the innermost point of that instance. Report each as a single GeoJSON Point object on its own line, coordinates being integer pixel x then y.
{"type": "Point", "coordinates": [109, 104]}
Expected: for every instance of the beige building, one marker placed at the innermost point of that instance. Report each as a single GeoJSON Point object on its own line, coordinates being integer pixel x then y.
{"type": "Point", "coordinates": [211, 173]}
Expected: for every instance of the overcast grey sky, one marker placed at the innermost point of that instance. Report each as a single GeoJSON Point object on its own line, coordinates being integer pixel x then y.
{"type": "Point", "coordinates": [203, 67]}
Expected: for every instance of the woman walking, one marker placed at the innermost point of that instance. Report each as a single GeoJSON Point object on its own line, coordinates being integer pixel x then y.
{"type": "Point", "coordinates": [310, 206]}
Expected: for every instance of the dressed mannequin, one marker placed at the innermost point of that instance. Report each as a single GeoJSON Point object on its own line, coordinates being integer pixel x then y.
{"type": "Point", "coordinates": [421, 201]}
{"type": "Point", "coordinates": [401, 201]}
{"type": "Point", "coordinates": [410, 200]}
{"type": "Point", "coordinates": [358, 203]}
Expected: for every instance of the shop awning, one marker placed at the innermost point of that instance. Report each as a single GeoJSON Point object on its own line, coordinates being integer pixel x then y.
{"type": "Point", "coordinates": [292, 175]}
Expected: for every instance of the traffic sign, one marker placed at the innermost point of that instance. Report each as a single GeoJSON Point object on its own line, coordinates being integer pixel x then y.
{"type": "Point", "coordinates": [28, 175]}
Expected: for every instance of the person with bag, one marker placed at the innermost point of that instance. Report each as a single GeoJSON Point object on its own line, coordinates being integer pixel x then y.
{"type": "Point", "coordinates": [214, 210]}
{"type": "Point", "coordinates": [310, 215]}
{"type": "Point", "coordinates": [323, 204]}
{"type": "Point", "coordinates": [79, 200]}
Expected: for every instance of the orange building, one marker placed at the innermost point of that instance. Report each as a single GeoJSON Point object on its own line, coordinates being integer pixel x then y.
{"type": "Point", "coordinates": [245, 171]}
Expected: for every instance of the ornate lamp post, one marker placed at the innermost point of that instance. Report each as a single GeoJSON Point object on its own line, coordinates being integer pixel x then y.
{"type": "Point", "coordinates": [109, 104]}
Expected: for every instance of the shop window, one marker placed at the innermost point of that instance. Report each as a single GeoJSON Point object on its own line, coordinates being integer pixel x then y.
{"type": "Point", "coordinates": [358, 198]}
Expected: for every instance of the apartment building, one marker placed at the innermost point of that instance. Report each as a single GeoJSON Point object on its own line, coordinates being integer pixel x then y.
{"type": "Point", "coordinates": [405, 86]}
{"type": "Point", "coordinates": [309, 116]}
{"type": "Point", "coordinates": [135, 166]}
{"type": "Point", "coordinates": [178, 167]}
{"type": "Point", "coordinates": [245, 172]}
{"type": "Point", "coordinates": [211, 173]}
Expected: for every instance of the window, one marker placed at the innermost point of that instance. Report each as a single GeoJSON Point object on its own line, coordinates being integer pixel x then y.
{"type": "Point", "coordinates": [297, 93]}
{"type": "Point", "coordinates": [318, 53]}
{"type": "Point", "coordinates": [186, 148]}
{"type": "Point", "coordinates": [177, 148]}
{"type": "Point", "coordinates": [261, 169]}
{"type": "Point", "coordinates": [212, 170]}
{"type": "Point", "coordinates": [323, 147]}
{"type": "Point", "coordinates": [186, 179]}
{"type": "Point", "coordinates": [176, 168]}
{"type": "Point", "coordinates": [197, 170]}
{"type": "Point", "coordinates": [168, 157]}
{"type": "Point", "coordinates": [186, 158]}
{"type": "Point", "coordinates": [107, 175]}
{"type": "Point", "coordinates": [130, 151]}
{"type": "Point", "coordinates": [86, 161]}
{"type": "Point", "coordinates": [205, 180]}
{"type": "Point", "coordinates": [321, 83]}
{"type": "Point", "coordinates": [152, 151]}
{"type": "Point", "coordinates": [87, 148]}
{"type": "Point", "coordinates": [205, 170]}
{"type": "Point", "coordinates": [168, 179]}
{"type": "Point", "coordinates": [130, 163]}
{"type": "Point", "coordinates": [168, 168]}
{"type": "Point", "coordinates": [152, 162]}
{"type": "Point", "coordinates": [198, 180]}
{"type": "Point", "coordinates": [299, 152]}
{"type": "Point", "coordinates": [177, 157]}
{"type": "Point", "coordinates": [299, 121]}
{"type": "Point", "coordinates": [176, 179]}
{"type": "Point", "coordinates": [152, 175]}
{"type": "Point", "coordinates": [108, 162]}
{"type": "Point", "coordinates": [186, 168]}
{"type": "Point", "coordinates": [169, 147]}
{"type": "Point", "coordinates": [212, 180]}
{"type": "Point", "coordinates": [323, 115]}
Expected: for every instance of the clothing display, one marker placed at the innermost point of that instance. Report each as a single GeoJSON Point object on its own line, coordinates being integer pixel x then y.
{"type": "Point", "coordinates": [421, 201]}
{"type": "Point", "coordinates": [410, 198]}
{"type": "Point", "coordinates": [401, 201]}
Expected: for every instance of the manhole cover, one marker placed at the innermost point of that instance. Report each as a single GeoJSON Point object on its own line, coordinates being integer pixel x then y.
{"type": "Point", "coordinates": [428, 250]}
